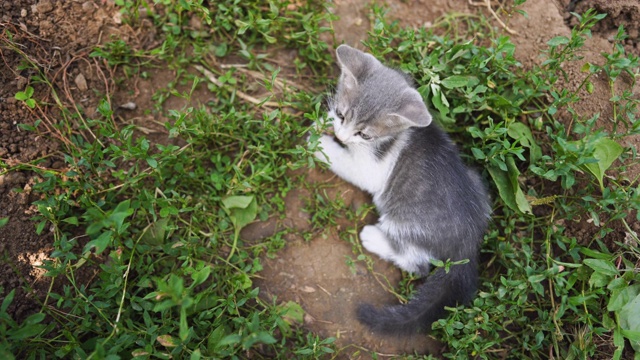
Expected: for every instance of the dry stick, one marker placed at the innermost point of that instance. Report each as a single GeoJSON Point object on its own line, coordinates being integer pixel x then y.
{"type": "Point", "coordinates": [67, 92]}
{"type": "Point", "coordinates": [487, 3]}
{"type": "Point", "coordinates": [211, 77]}
{"type": "Point", "coordinates": [106, 87]}
{"type": "Point", "coordinates": [277, 82]}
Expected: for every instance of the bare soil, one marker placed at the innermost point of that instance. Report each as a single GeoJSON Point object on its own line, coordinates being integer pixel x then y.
{"type": "Point", "coordinates": [59, 35]}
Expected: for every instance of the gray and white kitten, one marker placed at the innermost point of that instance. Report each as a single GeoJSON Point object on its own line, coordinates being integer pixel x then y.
{"type": "Point", "coordinates": [431, 205]}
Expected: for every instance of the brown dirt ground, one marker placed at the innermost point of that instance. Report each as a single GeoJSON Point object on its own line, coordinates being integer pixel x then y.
{"type": "Point", "coordinates": [59, 36]}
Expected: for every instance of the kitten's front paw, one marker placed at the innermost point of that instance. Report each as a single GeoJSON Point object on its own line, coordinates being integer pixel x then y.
{"type": "Point", "coordinates": [375, 241]}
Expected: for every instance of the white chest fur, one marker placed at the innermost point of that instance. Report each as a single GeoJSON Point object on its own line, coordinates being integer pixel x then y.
{"type": "Point", "coordinates": [359, 165]}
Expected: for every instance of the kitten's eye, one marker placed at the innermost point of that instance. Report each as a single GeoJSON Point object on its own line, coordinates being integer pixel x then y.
{"type": "Point", "coordinates": [340, 115]}
{"type": "Point", "coordinates": [363, 135]}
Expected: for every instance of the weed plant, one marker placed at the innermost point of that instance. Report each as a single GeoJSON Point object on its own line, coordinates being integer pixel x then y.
{"type": "Point", "coordinates": [159, 223]}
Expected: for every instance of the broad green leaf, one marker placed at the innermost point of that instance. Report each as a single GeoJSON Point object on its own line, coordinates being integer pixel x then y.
{"type": "Point", "coordinates": [214, 338]}
{"type": "Point", "coordinates": [558, 40]}
{"type": "Point", "coordinates": [243, 280]}
{"type": "Point", "coordinates": [71, 220]}
{"type": "Point", "coordinates": [292, 313]}
{"type": "Point", "coordinates": [606, 152]}
{"type": "Point", "coordinates": [230, 340]}
{"type": "Point", "coordinates": [241, 209]}
{"type": "Point", "coordinates": [152, 162]}
{"type": "Point", "coordinates": [598, 279]}
{"type": "Point", "coordinates": [26, 331]}
{"type": "Point", "coordinates": [120, 213]}
{"type": "Point", "coordinates": [156, 232]}
{"type": "Point", "coordinates": [7, 301]}
{"type": "Point", "coordinates": [100, 243]}
{"type": "Point", "coordinates": [237, 201]}
{"type": "Point", "coordinates": [522, 133]}
{"type": "Point", "coordinates": [629, 320]}
{"type": "Point", "coordinates": [260, 337]}
{"type": "Point", "coordinates": [456, 81]}
{"type": "Point", "coordinates": [508, 186]}
{"type": "Point", "coordinates": [35, 318]}
{"type": "Point", "coordinates": [3, 221]}
{"type": "Point", "coordinates": [602, 266]}
{"type": "Point", "coordinates": [167, 341]}
{"type": "Point", "coordinates": [201, 276]}
{"type": "Point", "coordinates": [436, 99]}
{"type": "Point", "coordinates": [620, 298]}
{"type": "Point", "coordinates": [196, 355]}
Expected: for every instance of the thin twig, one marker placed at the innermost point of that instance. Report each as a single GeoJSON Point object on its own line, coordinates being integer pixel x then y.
{"type": "Point", "coordinates": [211, 77]}
{"type": "Point", "coordinates": [487, 4]}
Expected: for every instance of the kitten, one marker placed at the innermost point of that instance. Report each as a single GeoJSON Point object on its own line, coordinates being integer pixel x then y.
{"type": "Point", "coordinates": [430, 205]}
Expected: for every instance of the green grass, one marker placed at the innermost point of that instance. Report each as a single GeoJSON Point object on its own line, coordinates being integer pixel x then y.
{"type": "Point", "coordinates": [160, 223]}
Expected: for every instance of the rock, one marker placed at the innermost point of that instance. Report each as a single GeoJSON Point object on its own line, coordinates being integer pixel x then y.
{"type": "Point", "coordinates": [44, 6]}
{"type": "Point", "coordinates": [88, 7]}
{"type": "Point", "coordinates": [81, 83]}
{"type": "Point", "coordinates": [129, 106]}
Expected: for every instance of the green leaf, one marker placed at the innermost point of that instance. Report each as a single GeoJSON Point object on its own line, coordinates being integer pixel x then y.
{"type": "Point", "coordinates": [184, 326]}
{"type": "Point", "coordinates": [606, 152]}
{"type": "Point", "coordinates": [629, 320]}
{"type": "Point", "coordinates": [7, 301]}
{"type": "Point", "coordinates": [201, 276]}
{"type": "Point", "coordinates": [156, 232]}
{"type": "Point", "coordinates": [241, 209]}
{"type": "Point", "coordinates": [26, 331]}
{"type": "Point", "coordinates": [152, 162]}
{"type": "Point", "coordinates": [237, 201]}
{"type": "Point", "coordinates": [230, 340]}
{"type": "Point", "coordinates": [119, 214]}
{"type": "Point", "coordinates": [478, 154]}
{"type": "Point", "coordinates": [620, 298]}
{"type": "Point", "coordinates": [196, 355]}
{"type": "Point", "coordinates": [508, 186]}
{"type": "Point", "coordinates": [598, 280]}
{"type": "Point", "coordinates": [167, 341]}
{"type": "Point", "coordinates": [3, 221]}
{"type": "Point", "coordinates": [601, 266]}
{"type": "Point", "coordinates": [522, 133]}
{"type": "Point", "coordinates": [558, 40]}
{"type": "Point", "coordinates": [100, 243]}
{"type": "Point", "coordinates": [456, 81]}
{"type": "Point", "coordinates": [292, 313]}
{"type": "Point", "coordinates": [436, 99]}
{"type": "Point", "coordinates": [214, 338]}
{"type": "Point", "coordinates": [71, 220]}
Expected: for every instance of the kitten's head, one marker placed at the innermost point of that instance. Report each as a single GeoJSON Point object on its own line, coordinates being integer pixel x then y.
{"type": "Point", "coordinates": [373, 102]}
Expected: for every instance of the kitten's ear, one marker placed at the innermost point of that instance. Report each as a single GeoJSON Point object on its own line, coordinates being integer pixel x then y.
{"type": "Point", "coordinates": [412, 111]}
{"type": "Point", "coordinates": [354, 63]}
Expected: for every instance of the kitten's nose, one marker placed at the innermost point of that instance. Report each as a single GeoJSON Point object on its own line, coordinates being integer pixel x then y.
{"type": "Point", "coordinates": [341, 136]}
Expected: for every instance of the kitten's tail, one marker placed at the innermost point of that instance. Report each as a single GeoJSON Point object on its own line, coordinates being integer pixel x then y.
{"type": "Point", "coordinates": [440, 289]}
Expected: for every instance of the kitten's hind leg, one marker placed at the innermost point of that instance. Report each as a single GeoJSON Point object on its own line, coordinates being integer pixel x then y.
{"type": "Point", "coordinates": [375, 241]}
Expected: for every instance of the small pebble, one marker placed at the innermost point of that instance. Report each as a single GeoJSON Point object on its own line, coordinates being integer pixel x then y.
{"type": "Point", "coordinates": [81, 83]}
{"type": "Point", "coordinates": [44, 6]}
{"type": "Point", "coordinates": [129, 106]}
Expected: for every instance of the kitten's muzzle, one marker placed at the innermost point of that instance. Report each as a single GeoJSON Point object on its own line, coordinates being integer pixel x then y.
{"type": "Point", "coordinates": [337, 140]}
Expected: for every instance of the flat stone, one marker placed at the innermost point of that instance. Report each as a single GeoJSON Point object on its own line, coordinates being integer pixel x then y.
{"type": "Point", "coordinates": [44, 6]}
{"type": "Point", "coordinates": [81, 83]}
